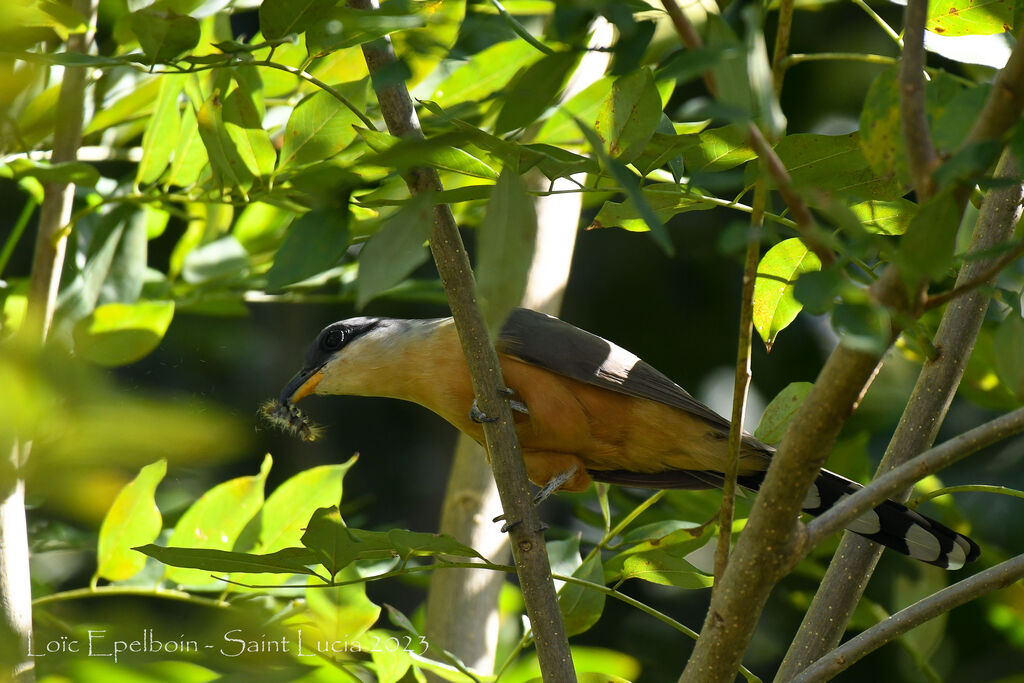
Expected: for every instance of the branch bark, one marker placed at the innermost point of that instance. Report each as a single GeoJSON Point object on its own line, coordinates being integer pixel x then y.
{"type": "Point", "coordinates": [47, 263]}
{"type": "Point", "coordinates": [994, 578]}
{"type": "Point", "coordinates": [462, 605]}
{"type": "Point", "coordinates": [854, 562]}
{"type": "Point", "coordinates": [526, 536]}
{"type": "Point", "coordinates": [921, 156]}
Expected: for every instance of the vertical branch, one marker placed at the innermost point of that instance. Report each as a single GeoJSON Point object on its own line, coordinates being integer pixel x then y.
{"type": "Point", "coordinates": [782, 43]}
{"type": "Point", "coordinates": [452, 261]}
{"type": "Point", "coordinates": [462, 605]}
{"type": "Point", "coordinates": [741, 385]}
{"type": "Point", "coordinates": [921, 155]}
{"type": "Point", "coordinates": [47, 263]}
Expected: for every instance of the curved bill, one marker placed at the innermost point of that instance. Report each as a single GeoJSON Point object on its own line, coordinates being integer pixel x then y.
{"type": "Point", "coordinates": [301, 385]}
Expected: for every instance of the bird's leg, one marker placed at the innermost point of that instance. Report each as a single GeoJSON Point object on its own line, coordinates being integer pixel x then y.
{"type": "Point", "coordinates": [556, 482]}
{"type": "Point", "coordinates": [479, 416]}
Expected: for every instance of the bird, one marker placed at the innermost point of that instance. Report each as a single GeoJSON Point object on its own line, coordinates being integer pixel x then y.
{"type": "Point", "coordinates": [585, 410]}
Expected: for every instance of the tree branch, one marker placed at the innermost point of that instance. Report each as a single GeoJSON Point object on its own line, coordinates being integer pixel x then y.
{"type": "Point", "coordinates": [921, 156]}
{"type": "Point", "coordinates": [1006, 101]}
{"type": "Point", "coordinates": [452, 261]}
{"type": "Point", "coordinates": [983, 278]}
{"type": "Point", "coordinates": [47, 263]}
{"type": "Point", "coordinates": [992, 579]}
{"type": "Point", "coordinates": [895, 481]}
{"type": "Point", "coordinates": [848, 574]}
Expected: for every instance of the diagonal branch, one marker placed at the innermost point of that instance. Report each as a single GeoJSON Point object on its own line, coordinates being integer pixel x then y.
{"type": "Point", "coordinates": [894, 482]}
{"type": "Point", "coordinates": [992, 579]}
{"type": "Point", "coordinates": [452, 261]}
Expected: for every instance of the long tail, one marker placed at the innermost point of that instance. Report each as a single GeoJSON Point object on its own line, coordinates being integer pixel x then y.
{"type": "Point", "coordinates": [891, 524]}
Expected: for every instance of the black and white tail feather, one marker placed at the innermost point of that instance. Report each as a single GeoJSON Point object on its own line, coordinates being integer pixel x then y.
{"type": "Point", "coordinates": [891, 524]}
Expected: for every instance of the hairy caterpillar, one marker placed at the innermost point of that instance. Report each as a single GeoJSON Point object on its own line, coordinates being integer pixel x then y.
{"type": "Point", "coordinates": [290, 420]}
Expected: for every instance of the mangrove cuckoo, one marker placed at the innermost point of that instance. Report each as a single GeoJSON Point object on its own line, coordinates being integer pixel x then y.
{"type": "Point", "coordinates": [585, 410]}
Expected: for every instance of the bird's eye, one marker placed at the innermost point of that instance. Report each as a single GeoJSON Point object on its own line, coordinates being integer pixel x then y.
{"type": "Point", "coordinates": [333, 340]}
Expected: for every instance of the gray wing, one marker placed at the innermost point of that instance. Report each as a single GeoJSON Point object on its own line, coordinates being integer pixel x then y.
{"type": "Point", "coordinates": [565, 349]}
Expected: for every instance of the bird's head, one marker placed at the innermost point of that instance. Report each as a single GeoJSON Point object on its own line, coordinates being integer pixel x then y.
{"type": "Point", "coordinates": [334, 357]}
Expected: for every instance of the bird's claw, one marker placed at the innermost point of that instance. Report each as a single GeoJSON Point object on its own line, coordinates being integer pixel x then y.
{"type": "Point", "coordinates": [479, 416]}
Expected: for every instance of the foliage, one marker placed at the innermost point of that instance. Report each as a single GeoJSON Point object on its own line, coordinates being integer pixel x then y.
{"type": "Point", "coordinates": [245, 143]}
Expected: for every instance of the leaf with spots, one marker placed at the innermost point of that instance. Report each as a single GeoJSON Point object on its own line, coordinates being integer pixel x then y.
{"type": "Point", "coordinates": [775, 307]}
{"type": "Point", "coordinates": [780, 411]}
{"type": "Point", "coordinates": [969, 17]}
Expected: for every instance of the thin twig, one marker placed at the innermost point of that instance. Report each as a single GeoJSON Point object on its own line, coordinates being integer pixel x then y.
{"type": "Point", "coordinates": [526, 535]}
{"type": "Point", "coordinates": [895, 37]}
{"type": "Point", "coordinates": [689, 37]}
{"type": "Point", "coordinates": [782, 34]}
{"type": "Point", "coordinates": [890, 484]}
{"type": "Point", "coordinates": [966, 488]}
{"type": "Point", "coordinates": [805, 226]}
{"type": "Point", "coordinates": [992, 579]}
{"type": "Point", "coordinates": [921, 155]}
{"type": "Point", "coordinates": [980, 280]}
{"type": "Point", "coordinates": [741, 383]}
{"type": "Point", "coordinates": [519, 29]}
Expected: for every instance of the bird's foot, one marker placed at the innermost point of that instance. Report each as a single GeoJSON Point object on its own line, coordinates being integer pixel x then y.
{"type": "Point", "coordinates": [480, 417]}
{"type": "Point", "coordinates": [556, 482]}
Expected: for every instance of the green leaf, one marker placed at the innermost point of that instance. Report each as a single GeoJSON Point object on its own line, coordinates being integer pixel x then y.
{"type": "Point", "coordinates": [417, 543]}
{"type": "Point", "coordinates": [77, 172]}
{"type": "Point", "coordinates": [200, 561]}
{"type": "Point", "coordinates": [882, 217]}
{"type": "Point", "coordinates": [484, 73]}
{"type": "Point", "coordinates": [336, 545]}
{"type": "Point", "coordinates": [561, 129]}
{"type": "Point", "coordinates": [344, 27]}
{"type": "Point", "coordinates": [969, 17]}
{"type": "Point", "coordinates": [189, 158]}
{"type": "Point", "coordinates": [394, 153]}
{"type": "Point", "coordinates": [762, 83]}
{"type": "Point", "coordinates": [161, 135]}
{"type": "Point", "coordinates": [244, 125]}
{"type": "Point", "coordinates": [581, 606]}
{"type": "Point", "coordinates": [229, 170]}
{"type": "Point", "coordinates": [881, 132]}
{"type": "Point", "coordinates": [1008, 343]}
{"type": "Point", "coordinates": [321, 126]}
{"type": "Point", "coordinates": [164, 36]}
{"type": "Point", "coordinates": [665, 200]}
{"type": "Point", "coordinates": [718, 149]}
{"type": "Point", "coordinates": [340, 613]}
{"type": "Point", "coordinates": [279, 18]}
{"type": "Point", "coordinates": [117, 334]}
{"type": "Point", "coordinates": [221, 259]}
{"type": "Point", "coordinates": [284, 515]}
{"type": "Point", "coordinates": [629, 115]}
{"type": "Point", "coordinates": [395, 250]}
{"type": "Point", "coordinates": [631, 186]}
{"type": "Point", "coordinates": [215, 521]}
{"type": "Point", "coordinates": [133, 519]}
{"type": "Point", "coordinates": [835, 163]}
{"type": "Point", "coordinates": [730, 71]}
{"type": "Point", "coordinates": [863, 326]}
{"type": "Point", "coordinates": [780, 411]}
{"type": "Point", "coordinates": [314, 243]}
{"type": "Point", "coordinates": [662, 561]}
{"type": "Point", "coordinates": [506, 241]}
{"type": "Point", "coordinates": [926, 250]}
{"type": "Point", "coordinates": [774, 305]}
{"type": "Point", "coordinates": [535, 90]}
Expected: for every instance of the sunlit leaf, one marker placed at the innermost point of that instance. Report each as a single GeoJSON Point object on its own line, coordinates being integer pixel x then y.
{"type": "Point", "coordinates": [161, 136]}
{"type": "Point", "coordinates": [665, 199]}
{"type": "Point", "coordinates": [885, 217]}
{"type": "Point", "coordinates": [662, 561]}
{"type": "Point", "coordinates": [484, 73]}
{"type": "Point", "coordinates": [835, 163]}
{"type": "Point", "coordinates": [775, 307]}
{"type": "Point", "coordinates": [629, 115]}
{"type": "Point", "coordinates": [969, 17]}
{"type": "Point", "coordinates": [216, 519]}
{"type": "Point", "coordinates": [132, 520]}
{"type": "Point", "coordinates": [321, 126]}
{"type": "Point", "coordinates": [118, 334]}
{"type": "Point", "coordinates": [718, 149]}
{"type": "Point", "coordinates": [201, 561]}
{"type": "Point", "coordinates": [340, 613]}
